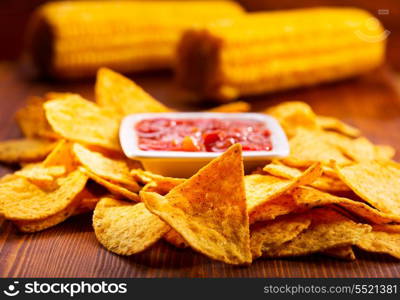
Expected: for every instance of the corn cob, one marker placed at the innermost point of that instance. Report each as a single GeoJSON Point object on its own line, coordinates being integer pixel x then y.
{"type": "Point", "coordinates": [73, 39]}
{"type": "Point", "coordinates": [271, 51]}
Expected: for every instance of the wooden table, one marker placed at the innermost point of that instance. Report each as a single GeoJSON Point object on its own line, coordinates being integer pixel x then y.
{"type": "Point", "coordinates": [70, 249]}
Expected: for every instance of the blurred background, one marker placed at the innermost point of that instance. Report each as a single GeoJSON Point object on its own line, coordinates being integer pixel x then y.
{"type": "Point", "coordinates": [14, 15]}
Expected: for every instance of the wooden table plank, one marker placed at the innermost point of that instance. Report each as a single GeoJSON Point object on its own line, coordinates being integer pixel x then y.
{"type": "Point", "coordinates": [70, 249]}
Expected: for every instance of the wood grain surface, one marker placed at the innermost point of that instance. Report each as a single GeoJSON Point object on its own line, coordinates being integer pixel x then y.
{"type": "Point", "coordinates": [371, 102]}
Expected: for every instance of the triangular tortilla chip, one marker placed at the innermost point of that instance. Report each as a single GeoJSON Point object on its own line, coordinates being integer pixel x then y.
{"type": "Point", "coordinates": [77, 119]}
{"type": "Point", "coordinates": [61, 155]}
{"type": "Point", "coordinates": [122, 96]}
{"type": "Point", "coordinates": [25, 150]}
{"type": "Point", "coordinates": [209, 209]}
{"type": "Point", "coordinates": [333, 124]}
{"type": "Point", "coordinates": [126, 228]}
{"type": "Point", "coordinates": [266, 235]}
{"type": "Point", "coordinates": [324, 183]}
{"type": "Point", "coordinates": [306, 197]}
{"type": "Point", "coordinates": [382, 239]}
{"type": "Point", "coordinates": [293, 115]}
{"type": "Point", "coordinates": [328, 229]}
{"type": "Point", "coordinates": [260, 189]}
{"type": "Point", "coordinates": [22, 200]}
{"type": "Point", "coordinates": [283, 205]}
{"type": "Point", "coordinates": [61, 216]}
{"type": "Point", "coordinates": [114, 170]}
{"type": "Point", "coordinates": [376, 182]}
{"type": "Point", "coordinates": [113, 188]}
{"type": "Point", "coordinates": [309, 146]}
{"type": "Point", "coordinates": [32, 120]}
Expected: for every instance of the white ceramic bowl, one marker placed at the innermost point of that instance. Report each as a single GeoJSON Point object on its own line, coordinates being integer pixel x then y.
{"type": "Point", "coordinates": [184, 164]}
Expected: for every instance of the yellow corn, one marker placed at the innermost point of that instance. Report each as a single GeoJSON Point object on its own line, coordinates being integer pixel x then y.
{"type": "Point", "coordinates": [271, 51]}
{"type": "Point", "coordinates": [73, 39]}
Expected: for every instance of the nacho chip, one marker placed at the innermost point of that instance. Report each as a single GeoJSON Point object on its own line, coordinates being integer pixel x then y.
{"type": "Point", "coordinates": [77, 119]}
{"type": "Point", "coordinates": [381, 240]}
{"type": "Point", "coordinates": [41, 175]}
{"type": "Point", "coordinates": [123, 96]}
{"type": "Point", "coordinates": [360, 149]}
{"type": "Point", "coordinates": [113, 170]}
{"type": "Point", "coordinates": [61, 155]}
{"type": "Point", "coordinates": [86, 205]}
{"type": "Point", "coordinates": [175, 239]}
{"type": "Point", "coordinates": [22, 200]}
{"type": "Point", "coordinates": [260, 189]}
{"type": "Point", "coordinates": [112, 187]}
{"type": "Point", "coordinates": [345, 253]}
{"type": "Point", "coordinates": [126, 228]}
{"type": "Point", "coordinates": [267, 235]}
{"type": "Point", "coordinates": [384, 152]}
{"type": "Point", "coordinates": [328, 229]}
{"type": "Point", "coordinates": [282, 205]}
{"type": "Point", "coordinates": [293, 115]}
{"type": "Point", "coordinates": [25, 150]}
{"type": "Point", "coordinates": [376, 182]}
{"type": "Point", "coordinates": [330, 123]}
{"type": "Point", "coordinates": [39, 225]}
{"type": "Point", "coordinates": [308, 197]}
{"type": "Point", "coordinates": [234, 107]}
{"type": "Point", "coordinates": [324, 183]}
{"type": "Point", "coordinates": [32, 120]}
{"type": "Point", "coordinates": [156, 183]}
{"type": "Point", "coordinates": [209, 209]}
{"type": "Point", "coordinates": [307, 147]}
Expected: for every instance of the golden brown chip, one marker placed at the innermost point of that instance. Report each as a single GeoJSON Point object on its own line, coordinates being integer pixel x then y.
{"type": "Point", "coordinates": [61, 155]}
{"type": "Point", "coordinates": [308, 197]}
{"type": "Point", "coordinates": [384, 152]}
{"type": "Point", "coordinates": [115, 189]}
{"type": "Point", "coordinates": [359, 149]}
{"type": "Point", "coordinates": [345, 253]}
{"type": "Point", "coordinates": [376, 182]}
{"type": "Point", "coordinates": [328, 229]}
{"type": "Point", "coordinates": [25, 150]}
{"type": "Point", "coordinates": [32, 120]}
{"type": "Point", "coordinates": [39, 225]}
{"type": "Point", "coordinates": [126, 228]}
{"type": "Point", "coordinates": [267, 235]}
{"type": "Point", "coordinates": [113, 170]}
{"type": "Point", "coordinates": [234, 107]}
{"type": "Point", "coordinates": [262, 188]}
{"type": "Point", "coordinates": [175, 239]}
{"type": "Point", "coordinates": [122, 96]}
{"type": "Point", "coordinates": [86, 205]}
{"type": "Point", "coordinates": [77, 119]}
{"type": "Point", "coordinates": [324, 183]}
{"type": "Point", "coordinates": [209, 209]}
{"type": "Point", "coordinates": [282, 205]}
{"type": "Point", "coordinates": [330, 123]}
{"type": "Point", "coordinates": [156, 183]}
{"type": "Point", "coordinates": [24, 201]}
{"type": "Point", "coordinates": [307, 147]}
{"type": "Point", "coordinates": [146, 177]}
{"type": "Point", "coordinates": [381, 240]}
{"type": "Point", "coordinates": [293, 115]}
{"type": "Point", "coordinates": [88, 199]}
{"type": "Point", "coordinates": [40, 175]}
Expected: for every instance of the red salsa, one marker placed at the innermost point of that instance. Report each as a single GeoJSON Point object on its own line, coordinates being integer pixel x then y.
{"type": "Point", "coordinates": [206, 135]}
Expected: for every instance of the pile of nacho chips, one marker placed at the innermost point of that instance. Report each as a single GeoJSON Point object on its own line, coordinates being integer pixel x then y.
{"type": "Point", "coordinates": [334, 192]}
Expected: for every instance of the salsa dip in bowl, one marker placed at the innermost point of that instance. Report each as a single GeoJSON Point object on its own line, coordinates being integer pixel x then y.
{"type": "Point", "coordinates": [177, 144]}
